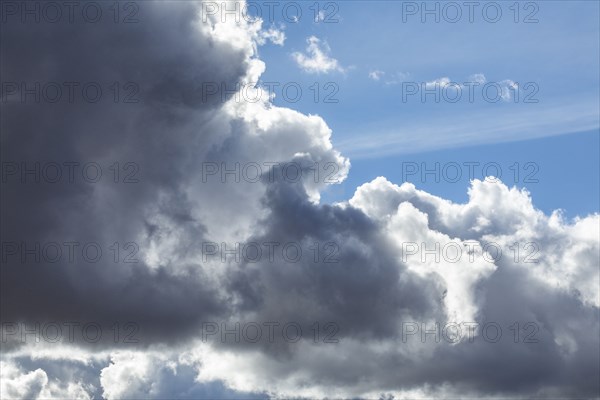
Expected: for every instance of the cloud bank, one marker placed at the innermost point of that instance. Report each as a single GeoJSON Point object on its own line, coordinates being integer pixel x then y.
{"type": "Point", "coordinates": [354, 317]}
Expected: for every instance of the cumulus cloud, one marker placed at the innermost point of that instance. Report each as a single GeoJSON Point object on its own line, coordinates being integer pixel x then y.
{"type": "Point", "coordinates": [317, 58]}
{"type": "Point", "coordinates": [16, 383]}
{"type": "Point", "coordinates": [350, 298]}
{"type": "Point", "coordinates": [274, 35]}
{"type": "Point", "coordinates": [394, 289]}
{"type": "Point", "coordinates": [169, 211]}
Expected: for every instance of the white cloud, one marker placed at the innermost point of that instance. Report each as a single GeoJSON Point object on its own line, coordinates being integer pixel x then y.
{"type": "Point", "coordinates": [479, 78]}
{"type": "Point", "coordinates": [18, 384]}
{"type": "Point", "coordinates": [317, 58]}
{"type": "Point", "coordinates": [393, 78]}
{"type": "Point", "coordinates": [376, 74]}
{"type": "Point", "coordinates": [274, 35]}
{"type": "Point", "coordinates": [506, 88]}
{"type": "Point", "coordinates": [320, 16]}
{"type": "Point", "coordinates": [438, 83]}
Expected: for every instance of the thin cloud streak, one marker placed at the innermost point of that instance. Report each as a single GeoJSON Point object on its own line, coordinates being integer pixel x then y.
{"type": "Point", "coordinates": [486, 128]}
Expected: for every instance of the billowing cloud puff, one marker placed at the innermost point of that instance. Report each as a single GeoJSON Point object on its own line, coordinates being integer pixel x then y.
{"type": "Point", "coordinates": [348, 309]}
{"type": "Point", "coordinates": [160, 209]}
{"type": "Point", "coordinates": [505, 326]}
{"type": "Point", "coordinates": [317, 58]}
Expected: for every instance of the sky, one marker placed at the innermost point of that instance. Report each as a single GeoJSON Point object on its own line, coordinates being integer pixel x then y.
{"type": "Point", "coordinates": [199, 201]}
{"type": "Point", "coordinates": [554, 46]}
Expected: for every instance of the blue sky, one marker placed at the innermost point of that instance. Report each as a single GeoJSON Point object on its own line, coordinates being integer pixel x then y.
{"type": "Point", "coordinates": [556, 128]}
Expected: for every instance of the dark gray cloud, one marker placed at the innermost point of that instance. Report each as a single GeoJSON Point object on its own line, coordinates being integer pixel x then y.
{"type": "Point", "coordinates": [349, 274]}
{"type": "Point", "coordinates": [165, 59]}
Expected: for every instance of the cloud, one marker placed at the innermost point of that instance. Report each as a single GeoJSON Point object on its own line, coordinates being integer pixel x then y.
{"type": "Point", "coordinates": [351, 293]}
{"type": "Point", "coordinates": [19, 384]}
{"type": "Point", "coordinates": [546, 119]}
{"type": "Point", "coordinates": [438, 83]}
{"type": "Point", "coordinates": [373, 290]}
{"type": "Point", "coordinates": [393, 78]}
{"type": "Point", "coordinates": [160, 374]}
{"type": "Point", "coordinates": [376, 74]}
{"type": "Point", "coordinates": [505, 87]}
{"type": "Point", "coordinates": [319, 17]}
{"type": "Point", "coordinates": [168, 135]}
{"type": "Point", "coordinates": [274, 35]}
{"type": "Point", "coordinates": [317, 58]}
{"type": "Point", "coordinates": [479, 78]}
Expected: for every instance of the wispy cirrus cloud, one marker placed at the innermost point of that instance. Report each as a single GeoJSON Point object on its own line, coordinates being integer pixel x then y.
{"type": "Point", "coordinates": [483, 127]}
